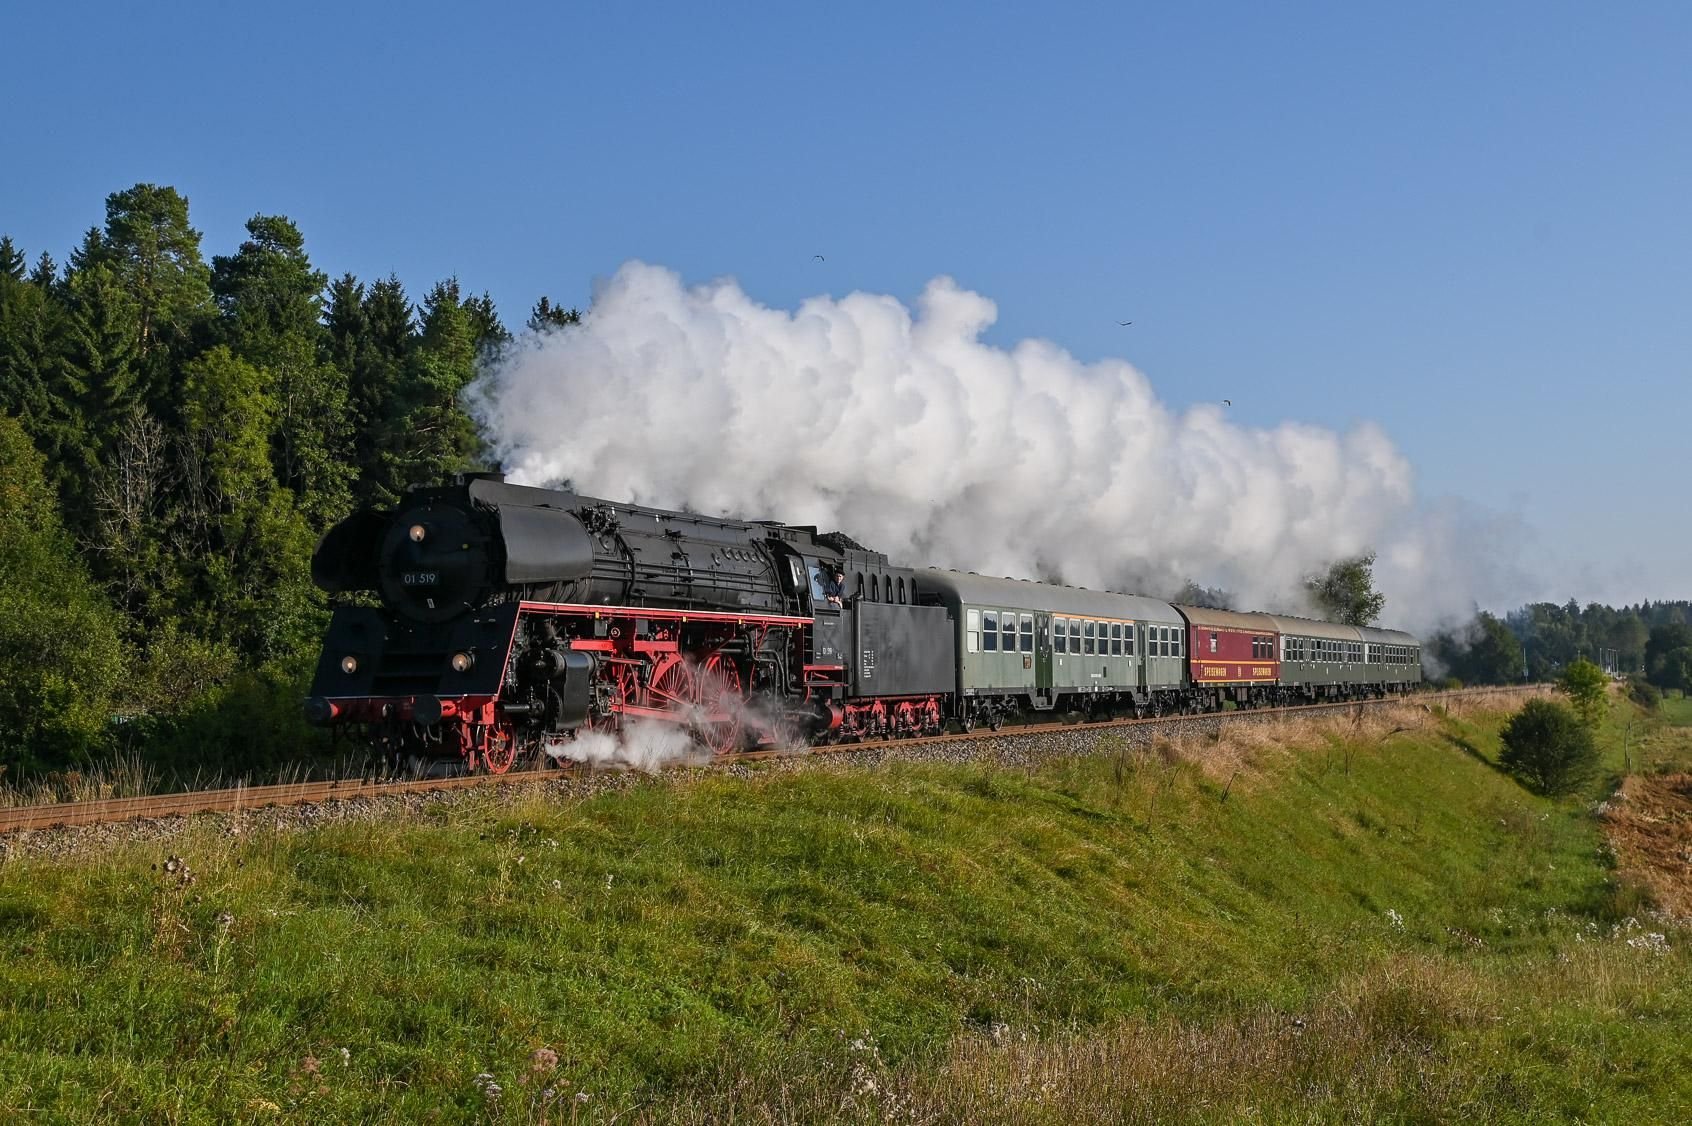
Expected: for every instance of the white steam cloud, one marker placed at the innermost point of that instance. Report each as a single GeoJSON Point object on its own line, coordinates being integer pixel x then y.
{"type": "Point", "coordinates": [906, 431]}
{"type": "Point", "coordinates": [647, 746]}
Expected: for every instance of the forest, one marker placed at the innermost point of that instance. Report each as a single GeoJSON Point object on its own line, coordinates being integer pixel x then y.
{"type": "Point", "coordinates": [176, 433]}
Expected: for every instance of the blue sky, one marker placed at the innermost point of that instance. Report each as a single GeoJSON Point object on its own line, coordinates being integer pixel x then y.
{"type": "Point", "coordinates": [1469, 223]}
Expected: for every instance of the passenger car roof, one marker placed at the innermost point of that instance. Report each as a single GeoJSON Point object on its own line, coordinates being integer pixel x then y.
{"type": "Point", "coordinates": [1310, 627]}
{"type": "Point", "coordinates": [1227, 619]}
{"type": "Point", "coordinates": [1024, 594]}
{"type": "Point", "coordinates": [1387, 636]}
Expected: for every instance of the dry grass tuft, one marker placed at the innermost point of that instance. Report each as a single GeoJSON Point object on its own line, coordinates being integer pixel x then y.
{"type": "Point", "coordinates": [1242, 747]}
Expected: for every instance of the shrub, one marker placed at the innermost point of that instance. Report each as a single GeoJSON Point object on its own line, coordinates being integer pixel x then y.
{"type": "Point", "coordinates": [1548, 748]}
{"type": "Point", "coordinates": [1448, 684]}
{"type": "Point", "coordinates": [1645, 694]}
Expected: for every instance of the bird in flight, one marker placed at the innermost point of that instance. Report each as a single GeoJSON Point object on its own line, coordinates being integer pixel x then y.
{"type": "Point", "coordinates": [1124, 322]}
{"type": "Point", "coordinates": [819, 258]}
{"type": "Point", "coordinates": [1227, 402]}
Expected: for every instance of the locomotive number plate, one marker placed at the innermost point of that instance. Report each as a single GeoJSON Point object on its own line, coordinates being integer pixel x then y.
{"type": "Point", "coordinates": [419, 578]}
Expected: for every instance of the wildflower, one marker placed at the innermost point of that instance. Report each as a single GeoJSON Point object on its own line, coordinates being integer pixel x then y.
{"type": "Point", "coordinates": [346, 1057]}
{"type": "Point", "coordinates": [557, 885]}
{"type": "Point", "coordinates": [543, 1059]}
{"type": "Point", "coordinates": [225, 919]}
{"type": "Point", "coordinates": [1395, 919]}
{"type": "Point", "coordinates": [583, 1096]}
{"type": "Point", "coordinates": [1650, 942]}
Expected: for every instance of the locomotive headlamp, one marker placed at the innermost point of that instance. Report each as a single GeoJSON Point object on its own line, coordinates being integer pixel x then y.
{"type": "Point", "coordinates": [418, 532]}
{"type": "Point", "coordinates": [349, 664]}
{"type": "Point", "coordinates": [462, 662]}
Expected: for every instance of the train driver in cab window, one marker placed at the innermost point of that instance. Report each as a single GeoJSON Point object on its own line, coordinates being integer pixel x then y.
{"type": "Point", "coordinates": [828, 586]}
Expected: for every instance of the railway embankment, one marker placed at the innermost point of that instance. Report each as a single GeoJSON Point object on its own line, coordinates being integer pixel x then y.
{"type": "Point", "coordinates": [1339, 917]}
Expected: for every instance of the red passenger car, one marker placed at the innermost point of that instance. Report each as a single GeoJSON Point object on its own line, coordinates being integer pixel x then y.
{"type": "Point", "coordinates": [1231, 656]}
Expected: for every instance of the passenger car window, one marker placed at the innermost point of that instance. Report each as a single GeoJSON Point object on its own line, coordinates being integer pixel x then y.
{"type": "Point", "coordinates": [990, 631]}
{"type": "Point", "coordinates": [1116, 639]}
{"type": "Point", "coordinates": [972, 629]}
{"type": "Point", "coordinates": [1009, 622]}
{"type": "Point", "coordinates": [1213, 643]}
{"type": "Point", "coordinates": [1060, 635]}
{"type": "Point", "coordinates": [1028, 633]}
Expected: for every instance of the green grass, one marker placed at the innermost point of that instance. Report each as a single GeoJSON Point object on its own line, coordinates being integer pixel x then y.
{"type": "Point", "coordinates": [830, 943]}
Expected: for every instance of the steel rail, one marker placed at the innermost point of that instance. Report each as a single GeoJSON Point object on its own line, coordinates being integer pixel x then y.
{"type": "Point", "coordinates": [236, 799]}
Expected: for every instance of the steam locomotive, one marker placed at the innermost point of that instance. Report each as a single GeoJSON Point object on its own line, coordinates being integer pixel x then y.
{"type": "Point", "coordinates": [484, 623]}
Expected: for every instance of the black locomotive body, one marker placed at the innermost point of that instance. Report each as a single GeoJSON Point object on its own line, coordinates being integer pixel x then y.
{"type": "Point", "coordinates": [511, 618]}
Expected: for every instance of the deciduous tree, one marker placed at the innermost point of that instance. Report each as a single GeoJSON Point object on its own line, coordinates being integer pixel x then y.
{"type": "Point", "coordinates": [1346, 592]}
{"type": "Point", "coordinates": [1586, 686]}
{"type": "Point", "coordinates": [61, 655]}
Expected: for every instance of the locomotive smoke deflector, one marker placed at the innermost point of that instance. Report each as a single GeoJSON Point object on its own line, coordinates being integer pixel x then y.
{"type": "Point", "coordinates": [544, 545]}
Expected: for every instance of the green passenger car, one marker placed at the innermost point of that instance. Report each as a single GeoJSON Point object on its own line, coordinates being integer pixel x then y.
{"type": "Point", "coordinates": [1027, 646]}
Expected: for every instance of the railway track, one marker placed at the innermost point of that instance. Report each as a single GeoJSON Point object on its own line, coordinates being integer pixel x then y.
{"type": "Point", "coordinates": [238, 798]}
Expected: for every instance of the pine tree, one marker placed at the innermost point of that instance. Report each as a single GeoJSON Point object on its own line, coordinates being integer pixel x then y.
{"type": "Point", "coordinates": [374, 338]}
{"type": "Point", "coordinates": [26, 352]}
{"type": "Point", "coordinates": [155, 255]}
{"type": "Point", "coordinates": [270, 297]}
{"type": "Point", "coordinates": [12, 261]}
{"type": "Point", "coordinates": [546, 316]}
{"type": "Point", "coordinates": [247, 545]}
{"type": "Point", "coordinates": [46, 272]}
{"type": "Point", "coordinates": [431, 434]}
{"type": "Point", "coordinates": [97, 381]}
{"type": "Point", "coordinates": [345, 324]}
{"type": "Point", "coordinates": [486, 330]}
